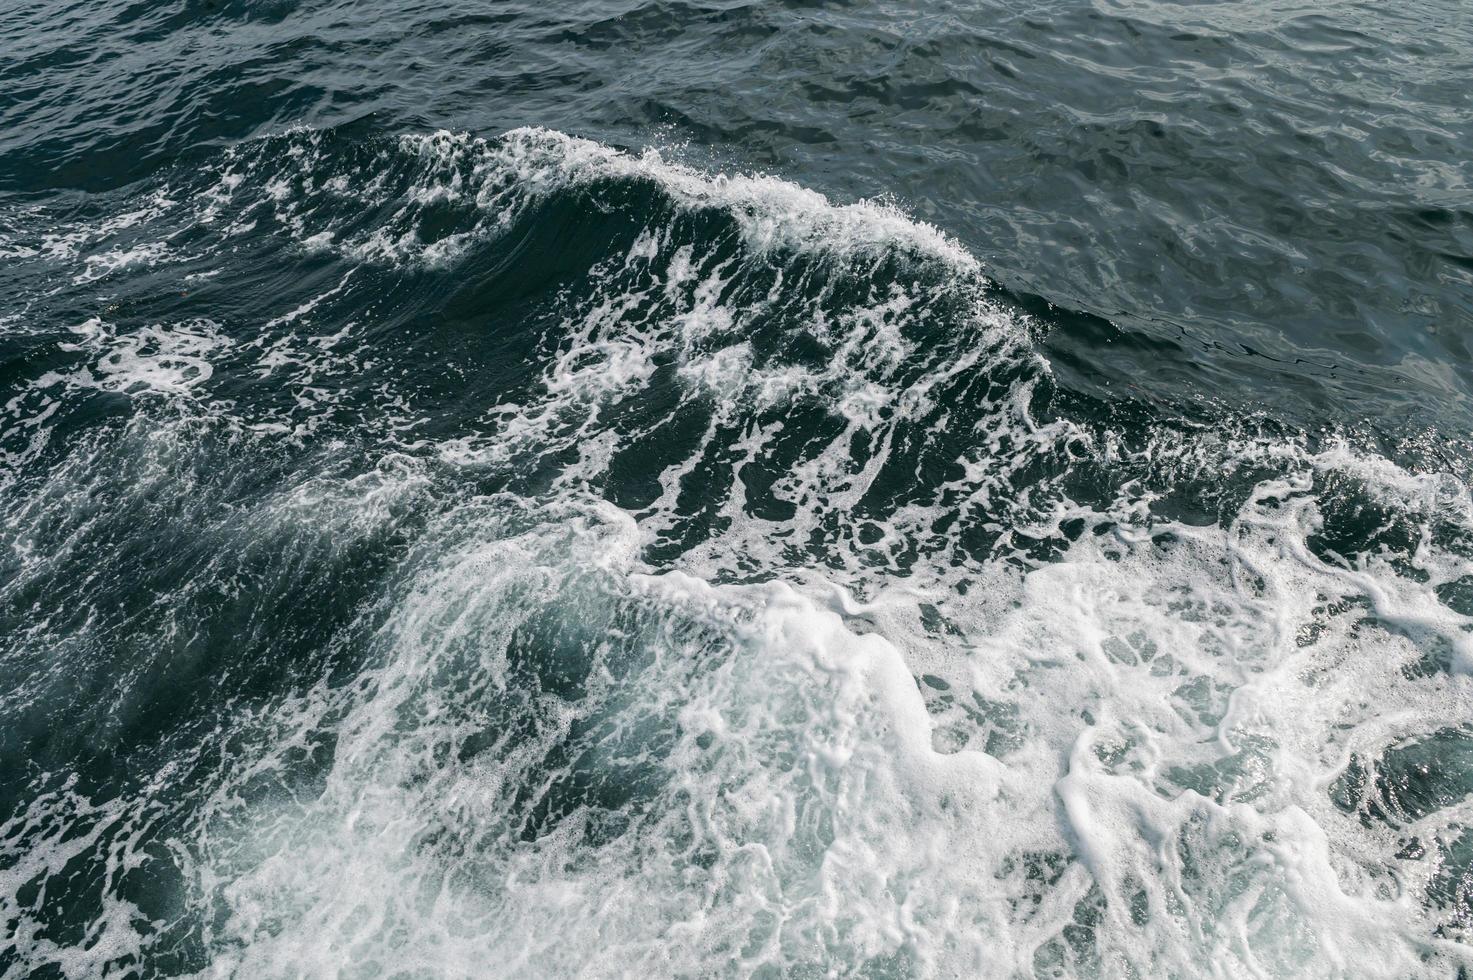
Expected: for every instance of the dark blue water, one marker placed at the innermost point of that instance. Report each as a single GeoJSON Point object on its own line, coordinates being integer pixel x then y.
{"type": "Point", "coordinates": [736, 489]}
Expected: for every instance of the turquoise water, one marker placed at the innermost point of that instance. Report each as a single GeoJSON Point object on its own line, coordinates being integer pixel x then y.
{"type": "Point", "coordinates": [736, 490]}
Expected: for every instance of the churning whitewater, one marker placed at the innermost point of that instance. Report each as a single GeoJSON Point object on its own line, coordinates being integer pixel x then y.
{"type": "Point", "coordinates": [547, 560]}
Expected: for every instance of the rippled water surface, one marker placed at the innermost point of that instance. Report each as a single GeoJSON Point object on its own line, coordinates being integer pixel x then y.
{"type": "Point", "coordinates": [729, 489]}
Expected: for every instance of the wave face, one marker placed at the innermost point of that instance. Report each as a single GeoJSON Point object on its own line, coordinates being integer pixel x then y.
{"type": "Point", "coordinates": [438, 556]}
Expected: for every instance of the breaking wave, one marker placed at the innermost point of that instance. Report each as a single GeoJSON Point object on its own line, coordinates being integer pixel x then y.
{"type": "Point", "coordinates": [561, 561]}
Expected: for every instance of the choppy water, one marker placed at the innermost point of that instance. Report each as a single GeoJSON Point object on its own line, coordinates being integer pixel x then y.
{"type": "Point", "coordinates": [727, 489]}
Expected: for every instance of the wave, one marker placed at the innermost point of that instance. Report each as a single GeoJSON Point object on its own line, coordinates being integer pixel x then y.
{"type": "Point", "coordinates": [562, 559]}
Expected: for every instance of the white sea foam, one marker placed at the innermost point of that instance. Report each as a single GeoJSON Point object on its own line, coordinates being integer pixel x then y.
{"type": "Point", "coordinates": [103, 264]}
{"type": "Point", "coordinates": [166, 359]}
{"type": "Point", "coordinates": [1119, 766]}
{"type": "Point", "coordinates": [780, 827]}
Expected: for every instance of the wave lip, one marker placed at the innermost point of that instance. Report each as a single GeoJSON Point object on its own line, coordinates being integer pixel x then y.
{"type": "Point", "coordinates": [771, 211]}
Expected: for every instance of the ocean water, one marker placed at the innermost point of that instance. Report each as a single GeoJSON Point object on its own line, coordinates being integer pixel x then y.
{"type": "Point", "coordinates": [631, 488]}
